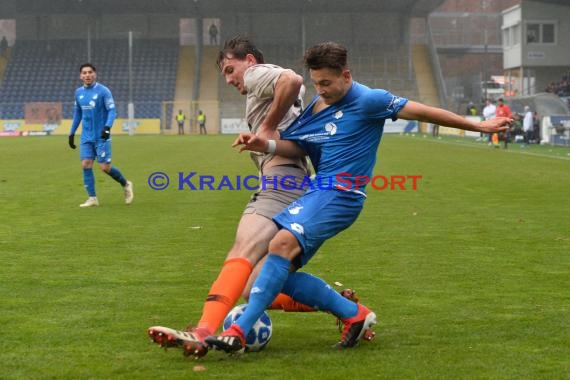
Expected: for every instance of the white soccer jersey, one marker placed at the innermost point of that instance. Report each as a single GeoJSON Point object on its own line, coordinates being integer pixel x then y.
{"type": "Point", "coordinates": [260, 81]}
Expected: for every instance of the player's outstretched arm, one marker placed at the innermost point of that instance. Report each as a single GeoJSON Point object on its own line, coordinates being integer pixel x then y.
{"type": "Point", "coordinates": [421, 112]}
{"type": "Point", "coordinates": [251, 142]}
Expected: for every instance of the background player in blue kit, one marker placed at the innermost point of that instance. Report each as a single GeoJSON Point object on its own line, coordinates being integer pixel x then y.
{"type": "Point", "coordinates": [95, 110]}
{"type": "Point", "coordinates": [340, 130]}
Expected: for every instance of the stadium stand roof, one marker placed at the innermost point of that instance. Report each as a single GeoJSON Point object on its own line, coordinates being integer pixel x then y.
{"type": "Point", "coordinates": [12, 8]}
{"type": "Point", "coordinates": [416, 8]}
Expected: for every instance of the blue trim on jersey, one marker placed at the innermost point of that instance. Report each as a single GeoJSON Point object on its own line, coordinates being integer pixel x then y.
{"type": "Point", "coordinates": [342, 139]}
{"type": "Point", "coordinates": [95, 110]}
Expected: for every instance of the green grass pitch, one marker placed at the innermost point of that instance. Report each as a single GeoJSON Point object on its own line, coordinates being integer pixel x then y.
{"type": "Point", "coordinates": [469, 274]}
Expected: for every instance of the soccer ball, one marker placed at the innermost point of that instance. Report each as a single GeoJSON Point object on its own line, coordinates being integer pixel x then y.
{"type": "Point", "coordinates": [260, 333]}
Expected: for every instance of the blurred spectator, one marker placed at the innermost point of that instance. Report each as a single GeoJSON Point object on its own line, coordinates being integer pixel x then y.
{"type": "Point", "coordinates": [3, 46]}
{"type": "Point", "coordinates": [213, 34]}
{"type": "Point", "coordinates": [536, 127]}
{"type": "Point", "coordinates": [561, 88]}
{"type": "Point", "coordinates": [471, 109]}
{"type": "Point", "coordinates": [489, 112]}
{"type": "Point", "coordinates": [201, 118]}
{"type": "Point", "coordinates": [528, 125]}
{"type": "Point", "coordinates": [503, 110]}
{"type": "Point", "coordinates": [180, 118]}
{"type": "Point", "coordinates": [435, 130]}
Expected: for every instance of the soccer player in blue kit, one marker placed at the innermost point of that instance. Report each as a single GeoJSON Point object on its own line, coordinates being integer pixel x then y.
{"type": "Point", "coordinates": [340, 130]}
{"type": "Point", "coordinates": [95, 110]}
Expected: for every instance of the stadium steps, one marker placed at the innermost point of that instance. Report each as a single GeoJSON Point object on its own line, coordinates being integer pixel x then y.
{"type": "Point", "coordinates": [185, 74]}
{"type": "Point", "coordinates": [425, 79]}
{"type": "Point", "coordinates": [184, 84]}
{"type": "Point", "coordinates": [208, 98]}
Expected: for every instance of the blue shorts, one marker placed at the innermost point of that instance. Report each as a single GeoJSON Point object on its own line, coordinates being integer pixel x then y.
{"type": "Point", "coordinates": [317, 216]}
{"type": "Point", "coordinates": [100, 149]}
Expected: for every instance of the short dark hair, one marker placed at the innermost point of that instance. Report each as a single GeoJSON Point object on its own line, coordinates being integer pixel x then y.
{"type": "Point", "coordinates": [329, 55]}
{"type": "Point", "coordinates": [239, 47]}
{"type": "Point", "coordinates": [87, 65]}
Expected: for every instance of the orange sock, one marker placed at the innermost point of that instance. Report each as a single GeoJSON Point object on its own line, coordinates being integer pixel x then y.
{"type": "Point", "coordinates": [286, 303]}
{"type": "Point", "coordinates": [224, 293]}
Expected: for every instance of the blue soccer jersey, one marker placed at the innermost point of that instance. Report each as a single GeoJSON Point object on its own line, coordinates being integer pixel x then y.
{"type": "Point", "coordinates": [95, 110]}
{"type": "Point", "coordinates": [342, 139]}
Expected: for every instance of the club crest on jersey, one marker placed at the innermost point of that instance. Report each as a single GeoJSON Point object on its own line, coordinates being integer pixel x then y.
{"type": "Point", "coordinates": [294, 210]}
{"type": "Point", "coordinates": [297, 228]}
{"type": "Point", "coordinates": [95, 97]}
{"type": "Point", "coordinates": [330, 128]}
{"type": "Point", "coordinates": [338, 114]}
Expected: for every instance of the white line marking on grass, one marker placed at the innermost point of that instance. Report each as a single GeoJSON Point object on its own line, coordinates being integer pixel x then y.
{"type": "Point", "coordinates": [484, 146]}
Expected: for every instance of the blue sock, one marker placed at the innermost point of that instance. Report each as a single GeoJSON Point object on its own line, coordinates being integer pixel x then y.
{"type": "Point", "coordinates": [264, 290]}
{"type": "Point", "coordinates": [116, 174]}
{"type": "Point", "coordinates": [89, 181]}
{"type": "Point", "coordinates": [312, 291]}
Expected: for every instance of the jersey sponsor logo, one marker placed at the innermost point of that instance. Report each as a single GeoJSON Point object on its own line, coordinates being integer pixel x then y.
{"type": "Point", "coordinates": [297, 228]}
{"type": "Point", "coordinates": [330, 130]}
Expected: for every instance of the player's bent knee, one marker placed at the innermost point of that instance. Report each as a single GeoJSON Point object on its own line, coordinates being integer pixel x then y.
{"type": "Point", "coordinates": [285, 244]}
{"type": "Point", "coordinates": [105, 167]}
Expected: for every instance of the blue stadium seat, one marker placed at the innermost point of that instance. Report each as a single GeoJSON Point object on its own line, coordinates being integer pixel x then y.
{"type": "Point", "coordinates": [154, 73]}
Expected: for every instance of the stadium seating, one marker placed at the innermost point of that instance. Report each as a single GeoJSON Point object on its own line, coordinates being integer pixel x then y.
{"type": "Point", "coordinates": [48, 71]}
{"type": "Point", "coordinates": [42, 71]}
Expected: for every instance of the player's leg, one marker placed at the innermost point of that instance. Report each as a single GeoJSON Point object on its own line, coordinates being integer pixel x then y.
{"type": "Point", "coordinates": [357, 320]}
{"type": "Point", "coordinates": [252, 238]}
{"type": "Point", "coordinates": [251, 244]}
{"type": "Point", "coordinates": [322, 217]}
{"type": "Point", "coordinates": [269, 202]}
{"type": "Point", "coordinates": [282, 301]}
{"type": "Point", "coordinates": [306, 225]}
{"type": "Point", "coordinates": [87, 155]}
{"type": "Point", "coordinates": [254, 232]}
{"type": "Point", "coordinates": [104, 160]}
